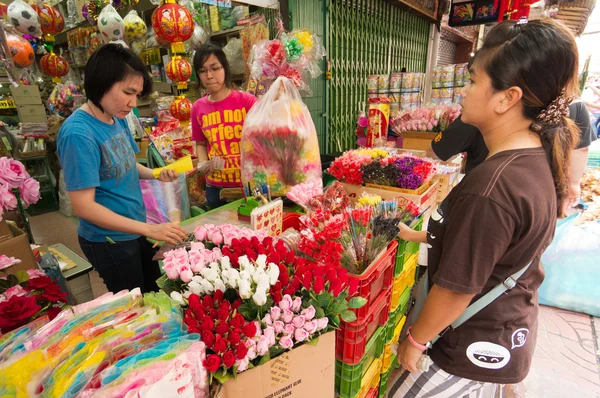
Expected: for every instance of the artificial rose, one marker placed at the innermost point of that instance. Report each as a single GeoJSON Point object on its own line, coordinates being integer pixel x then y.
{"type": "Point", "coordinates": [278, 326]}
{"type": "Point", "coordinates": [310, 327]}
{"type": "Point", "coordinates": [223, 313]}
{"type": "Point", "coordinates": [35, 273]}
{"type": "Point", "coordinates": [260, 298]}
{"type": "Point", "coordinates": [171, 271]}
{"type": "Point", "coordinates": [269, 333]}
{"type": "Point", "coordinates": [207, 323]}
{"type": "Point", "coordinates": [262, 346]}
{"type": "Point", "coordinates": [289, 329]}
{"type": "Point", "coordinates": [194, 287]}
{"type": "Point", "coordinates": [212, 363]}
{"type": "Point", "coordinates": [273, 273]}
{"type": "Point", "coordinates": [245, 288]}
{"type": "Point", "coordinates": [298, 321]}
{"type": "Point", "coordinates": [53, 293]}
{"type": "Point", "coordinates": [286, 342]}
{"type": "Point", "coordinates": [261, 262]}
{"type": "Point", "coordinates": [300, 335]}
{"type": "Point", "coordinates": [242, 364]}
{"type": "Point", "coordinates": [237, 321]}
{"type": "Point", "coordinates": [17, 311]}
{"type": "Point", "coordinates": [318, 285]}
{"type": "Point", "coordinates": [219, 285]}
{"type": "Point", "coordinates": [287, 316]}
{"type": "Point", "coordinates": [53, 312]}
{"type": "Point", "coordinates": [297, 304]}
{"type": "Point", "coordinates": [40, 283]}
{"type": "Point", "coordinates": [12, 172]}
{"type": "Point", "coordinates": [222, 328]}
{"type": "Point", "coordinates": [234, 338]}
{"type": "Point", "coordinates": [228, 359]}
{"type": "Point", "coordinates": [251, 345]}
{"type": "Point", "coordinates": [220, 345]}
{"type": "Point", "coordinates": [6, 262]}
{"type": "Point", "coordinates": [208, 302]}
{"type": "Point", "coordinates": [177, 297]}
{"type": "Point", "coordinates": [275, 313]}
{"type": "Point", "coordinates": [322, 323]}
{"type": "Point", "coordinates": [7, 199]}
{"type": "Point", "coordinates": [241, 351]}
{"type": "Point", "coordinates": [268, 319]}
{"type": "Point", "coordinates": [216, 238]}
{"type": "Point", "coordinates": [309, 313]}
{"type": "Point", "coordinates": [258, 329]}
{"type": "Point", "coordinates": [194, 301]}
{"type": "Point", "coordinates": [250, 329]}
{"type": "Point", "coordinates": [207, 287]}
{"type": "Point", "coordinates": [286, 303]}
{"type": "Point", "coordinates": [208, 338]}
{"type": "Point", "coordinates": [30, 191]}
{"type": "Point", "coordinates": [15, 291]}
{"type": "Point", "coordinates": [200, 233]}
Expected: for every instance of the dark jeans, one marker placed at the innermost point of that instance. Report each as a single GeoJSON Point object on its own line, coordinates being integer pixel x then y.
{"type": "Point", "coordinates": [123, 265]}
{"type": "Point", "coordinates": [213, 197]}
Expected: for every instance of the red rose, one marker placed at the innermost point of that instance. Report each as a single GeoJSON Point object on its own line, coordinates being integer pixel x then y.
{"type": "Point", "coordinates": [53, 312]}
{"type": "Point", "coordinates": [234, 338]}
{"type": "Point", "coordinates": [268, 241]}
{"type": "Point", "coordinates": [277, 296]}
{"type": "Point", "coordinates": [54, 294]}
{"type": "Point", "coordinates": [319, 272]}
{"type": "Point", "coordinates": [250, 329]}
{"type": "Point", "coordinates": [212, 363]}
{"type": "Point", "coordinates": [208, 338]}
{"type": "Point", "coordinates": [236, 304]}
{"type": "Point", "coordinates": [225, 304]}
{"type": "Point", "coordinates": [229, 359]}
{"type": "Point", "coordinates": [289, 258]}
{"type": "Point", "coordinates": [223, 313]}
{"type": "Point", "coordinates": [193, 329]}
{"type": "Point", "coordinates": [318, 285]}
{"type": "Point", "coordinates": [330, 275]}
{"type": "Point", "coordinates": [198, 312]}
{"type": "Point", "coordinates": [307, 280]}
{"type": "Point", "coordinates": [254, 242]}
{"type": "Point", "coordinates": [207, 323]}
{"type": "Point", "coordinates": [222, 327]}
{"type": "Point", "coordinates": [39, 283]}
{"type": "Point", "coordinates": [284, 276]}
{"type": "Point", "coordinates": [290, 290]}
{"type": "Point", "coordinates": [336, 288]}
{"type": "Point", "coordinates": [214, 314]}
{"type": "Point", "coordinates": [237, 321]}
{"type": "Point", "coordinates": [241, 351]}
{"type": "Point", "coordinates": [220, 345]}
{"type": "Point", "coordinates": [207, 302]}
{"type": "Point", "coordinates": [194, 301]}
{"type": "Point", "coordinates": [17, 311]}
{"type": "Point", "coordinates": [275, 258]}
{"type": "Point", "coordinates": [218, 296]}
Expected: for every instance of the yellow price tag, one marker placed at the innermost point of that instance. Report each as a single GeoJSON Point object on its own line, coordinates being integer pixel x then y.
{"type": "Point", "coordinates": [7, 104]}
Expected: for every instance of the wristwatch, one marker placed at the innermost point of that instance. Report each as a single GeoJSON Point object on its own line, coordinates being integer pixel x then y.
{"type": "Point", "coordinates": [414, 343]}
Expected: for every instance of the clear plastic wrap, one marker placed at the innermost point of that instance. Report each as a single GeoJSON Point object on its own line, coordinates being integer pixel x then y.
{"type": "Point", "coordinates": [110, 24]}
{"type": "Point", "coordinates": [280, 147]}
{"type": "Point", "coordinates": [233, 52]}
{"type": "Point", "coordinates": [63, 98]}
{"type": "Point", "coordinates": [166, 201]}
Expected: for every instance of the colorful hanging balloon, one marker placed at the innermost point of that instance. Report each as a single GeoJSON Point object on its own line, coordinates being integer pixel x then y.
{"type": "Point", "coordinates": [179, 70]}
{"type": "Point", "coordinates": [181, 108]}
{"type": "Point", "coordinates": [110, 24]}
{"type": "Point", "coordinates": [135, 27]}
{"type": "Point", "coordinates": [173, 23]}
{"type": "Point", "coordinates": [20, 50]}
{"type": "Point", "coordinates": [51, 21]}
{"type": "Point", "coordinates": [24, 18]}
{"type": "Point", "coordinates": [55, 66]}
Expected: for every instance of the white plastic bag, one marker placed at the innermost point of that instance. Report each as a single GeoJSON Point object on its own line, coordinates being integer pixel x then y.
{"type": "Point", "coordinates": [233, 52]}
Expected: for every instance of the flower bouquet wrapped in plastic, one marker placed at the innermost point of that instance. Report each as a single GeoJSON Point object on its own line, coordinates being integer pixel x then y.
{"type": "Point", "coordinates": [279, 141]}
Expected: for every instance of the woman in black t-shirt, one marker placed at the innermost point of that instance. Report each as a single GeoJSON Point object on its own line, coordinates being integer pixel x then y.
{"type": "Point", "coordinates": [500, 218]}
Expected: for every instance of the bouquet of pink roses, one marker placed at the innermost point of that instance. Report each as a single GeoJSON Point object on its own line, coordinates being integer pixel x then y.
{"type": "Point", "coordinates": [16, 185]}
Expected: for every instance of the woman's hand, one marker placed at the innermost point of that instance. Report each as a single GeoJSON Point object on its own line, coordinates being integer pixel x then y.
{"type": "Point", "coordinates": [206, 168]}
{"type": "Point", "coordinates": [408, 356]}
{"type": "Point", "coordinates": [169, 232]}
{"type": "Point", "coordinates": [167, 175]}
{"type": "Point", "coordinates": [406, 232]}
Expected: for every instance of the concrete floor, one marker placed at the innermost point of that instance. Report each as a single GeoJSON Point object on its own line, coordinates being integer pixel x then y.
{"type": "Point", "coordinates": [566, 362]}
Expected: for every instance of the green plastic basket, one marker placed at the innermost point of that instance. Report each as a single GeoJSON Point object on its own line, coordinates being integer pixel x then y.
{"type": "Point", "coordinates": [385, 376]}
{"type": "Point", "coordinates": [404, 301]}
{"type": "Point", "coordinates": [348, 378]}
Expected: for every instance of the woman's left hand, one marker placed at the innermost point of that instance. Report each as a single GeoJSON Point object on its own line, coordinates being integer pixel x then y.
{"type": "Point", "coordinates": [167, 175]}
{"type": "Point", "coordinates": [408, 356]}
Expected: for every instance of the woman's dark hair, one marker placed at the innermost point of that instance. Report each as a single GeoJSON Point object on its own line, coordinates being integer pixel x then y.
{"type": "Point", "coordinates": [203, 53]}
{"type": "Point", "coordinates": [540, 57]}
{"type": "Point", "coordinates": [111, 64]}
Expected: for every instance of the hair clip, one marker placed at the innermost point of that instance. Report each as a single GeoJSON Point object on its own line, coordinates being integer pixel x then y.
{"type": "Point", "coordinates": [522, 21]}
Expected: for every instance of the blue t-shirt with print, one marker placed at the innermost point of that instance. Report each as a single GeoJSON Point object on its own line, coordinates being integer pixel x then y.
{"type": "Point", "coordinates": [97, 155]}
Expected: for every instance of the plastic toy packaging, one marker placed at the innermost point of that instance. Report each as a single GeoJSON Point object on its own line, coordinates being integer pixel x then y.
{"type": "Point", "coordinates": [280, 147]}
{"type": "Point", "coordinates": [166, 201]}
{"type": "Point", "coordinates": [63, 99]}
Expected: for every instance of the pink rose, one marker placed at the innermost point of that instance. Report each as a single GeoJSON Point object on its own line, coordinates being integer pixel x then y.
{"type": "Point", "coordinates": [251, 344]}
{"type": "Point", "coordinates": [196, 261]}
{"type": "Point", "coordinates": [278, 326]}
{"type": "Point", "coordinates": [275, 313]}
{"type": "Point", "coordinates": [15, 291]}
{"type": "Point", "coordinates": [12, 172]}
{"type": "Point", "coordinates": [309, 313]}
{"type": "Point", "coordinates": [258, 329]}
{"type": "Point", "coordinates": [185, 273]}
{"type": "Point", "coordinates": [286, 342]}
{"type": "Point", "coordinates": [322, 323]}
{"type": "Point", "coordinates": [171, 271]}
{"type": "Point", "coordinates": [216, 238]}
{"type": "Point", "coordinates": [269, 333]}
{"type": "Point", "coordinates": [268, 320]}
{"type": "Point", "coordinates": [289, 329]}
{"type": "Point", "coordinates": [262, 346]}
{"type": "Point", "coordinates": [7, 199]}
{"type": "Point", "coordinates": [217, 255]}
{"type": "Point", "coordinates": [35, 273]}
{"type": "Point", "coordinates": [287, 316]}
{"type": "Point", "coordinates": [6, 261]}
{"type": "Point", "coordinates": [30, 191]}
{"type": "Point", "coordinates": [200, 233]}
{"type": "Point", "coordinates": [242, 364]}
{"type": "Point", "coordinates": [298, 321]}
{"type": "Point", "coordinates": [199, 246]}
{"type": "Point", "coordinates": [297, 304]}
{"type": "Point", "coordinates": [300, 335]}
{"type": "Point", "coordinates": [311, 327]}
{"type": "Point", "coordinates": [286, 303]}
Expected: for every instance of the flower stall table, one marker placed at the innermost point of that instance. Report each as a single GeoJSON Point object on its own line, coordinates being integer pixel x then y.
{"type": "Point", "coordinates": [77, 276]}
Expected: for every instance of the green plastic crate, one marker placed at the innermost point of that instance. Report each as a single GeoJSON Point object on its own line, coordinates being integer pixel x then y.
{"type": "Point", "coordinates": [404, 301]}
{"type": "Point", "coordinates": [405, 249]}
{"type": "Point", "coordinates": [348, 378]}
{"type": "Point", "coordinates": [385, 376]}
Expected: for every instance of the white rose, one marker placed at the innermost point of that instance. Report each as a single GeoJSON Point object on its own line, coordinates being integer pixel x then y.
{"type": "Point", "coordinates": [210, 273]}
{"type": "Point", "coordinates": [263, 283]}
{"type": "Point", "coordinates": [207, 286]}
{"type": "Point", "coordinates": [195, 287]}
{"type": "Point", "coordinates": [233, 277]}
{"type": "Point", "coordinates": [260, 297]}
{"type": "Point", "coordinates": [225, 263]}
{"type": "Point", "coordinates": [245, 275]}
{"type": "Point", "coordinates": [258, 275]}
{"type": "Point", "coordinates": [187, 294]}
{"type": "Point", "coordinates": [261, 262]}
{"type": "Point", "coordinates": [245, 289]}
{"type": "Point", "coordinates": [219, 285]}
{"type": "Point", "coordinates": [178, 297]}
{"type": "Point", "coordinates": [243, 262]}
{"type": "Point", "coordinates": [273, 273]}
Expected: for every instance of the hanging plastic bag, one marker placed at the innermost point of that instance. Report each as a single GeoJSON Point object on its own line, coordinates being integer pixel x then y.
{"type": "Point", "coordinates": [110, 24]}
{"type": "Point", "coordinates": [233, 52]}
{"type": "Point", "coordinates": [280, 147]}
{"type": "Point", "coordinates": [166, 201]}
{"type": "Point", "coordinates": [571, 265]}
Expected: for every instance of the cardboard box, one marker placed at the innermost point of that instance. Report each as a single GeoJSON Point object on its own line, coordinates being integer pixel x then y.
{"type": "Point", "coordinates": [14, 243]}
{"type": "Point", "coordinates": [420, 140]}
{"type": "Point", "coordinates": [446, 182]}
{"type": "Point", "coordinates": [161, 87]}
{"type": "Point", "coordinates": [423, 201]}
{"type": "Point", "coordinates": [26, 95]}
{"type": "Point", "coordinates": [307, 371]}
{"type": "Point", "coordinates": [32, 113]}
{"type": "Point", "coordinates": [143, 145]}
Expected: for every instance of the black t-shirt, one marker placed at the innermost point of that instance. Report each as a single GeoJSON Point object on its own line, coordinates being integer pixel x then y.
{"type": "Point", "coordinates": [461, 137]}
{"type": "Point", "coordinates": [498, 219]}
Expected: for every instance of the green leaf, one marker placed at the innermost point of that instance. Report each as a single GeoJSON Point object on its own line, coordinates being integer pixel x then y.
{"type": "Point", "coordinates": [334, 321]}
{"type": "Point", "coordinates": [22, 276]}
{"type": "Point", "coordinates": [313, 342]}
{"type": "Point", "coordinates": [339, 307]}
{"type": "Point", "coordinates": [221, 377]}
{"type": "Point", "coordinates": [323, 299]}
{"type": "Point", "coordinates": [4, 285]}
{"type": "Point", "coordinates": [248, 310]}
{"type": "Point", "coordinates": [348, 316]}
{"type": "Point", "coordinates": [357, 302]}
{"type": "Point", "coordinates": [12, 280]}
{"type": "Point", "coordinates": [320, 313]}
{"type": "Point", "coordinates": [264, 359]}
{"type": "Point", "coordinates": [342, 295]}
{"type": "Point", "coordinates": [276, 351]}
{"type": "Point", "coordinates": [168, 285]}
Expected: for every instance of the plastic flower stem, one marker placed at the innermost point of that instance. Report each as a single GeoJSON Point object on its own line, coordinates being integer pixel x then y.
{"type": "Point", "coordinates": [23, 215]}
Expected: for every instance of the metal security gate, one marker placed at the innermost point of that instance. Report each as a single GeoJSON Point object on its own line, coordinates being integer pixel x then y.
{"type": "Point", "coordinates": [367, 37]}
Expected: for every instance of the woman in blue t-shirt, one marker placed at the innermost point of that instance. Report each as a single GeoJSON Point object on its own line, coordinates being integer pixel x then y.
{"type": "Point", "coordinates": [97, 153]}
